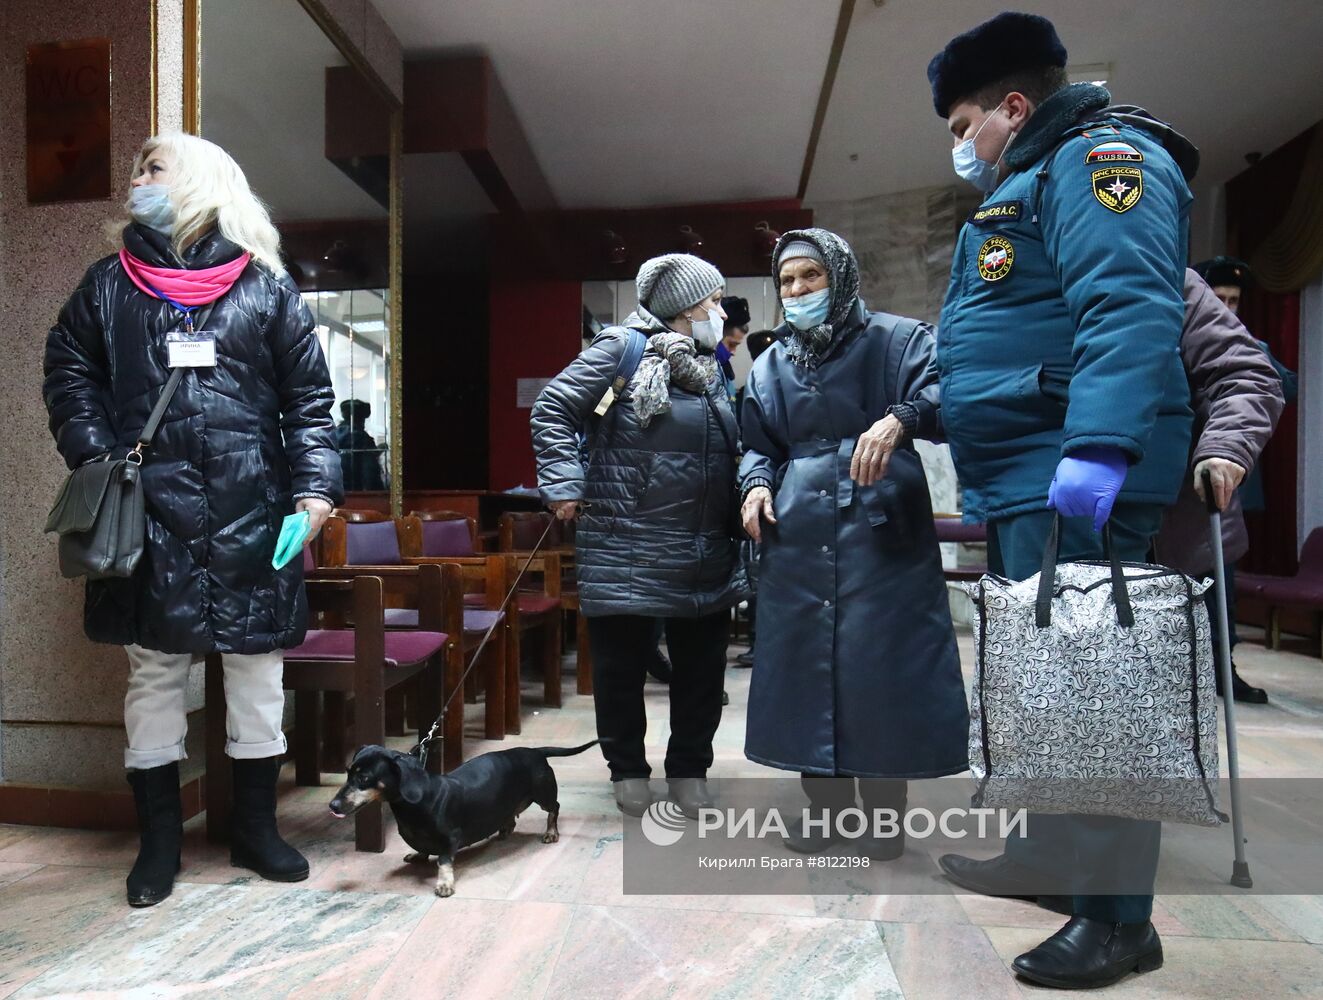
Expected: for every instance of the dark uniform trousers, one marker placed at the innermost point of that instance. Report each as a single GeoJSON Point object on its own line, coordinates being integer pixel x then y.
{"type": "Point", "coordinates": [1084, 851]}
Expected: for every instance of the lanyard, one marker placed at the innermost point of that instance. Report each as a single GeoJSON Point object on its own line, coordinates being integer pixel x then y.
{"type": "Point", "coordinates": [188, 311]}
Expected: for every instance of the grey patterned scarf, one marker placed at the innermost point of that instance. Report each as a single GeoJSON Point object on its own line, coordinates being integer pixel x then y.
{"type": "Point", "coordinates": [806, 347]}
{"type": "Point", "coordinates": [669, 357]}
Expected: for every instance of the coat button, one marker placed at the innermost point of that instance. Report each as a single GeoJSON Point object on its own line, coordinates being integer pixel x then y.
{"type": "Point", "coordinates": [826, 604]}
{"type": "Point", "coordinates": [826, 548]}
{"type": "Point", "coordinates": [822, 493]}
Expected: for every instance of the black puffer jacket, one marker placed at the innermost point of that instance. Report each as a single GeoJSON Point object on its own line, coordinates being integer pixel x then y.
{"type": "Point", "coordinates": [238, 443]}
{"type": "Point", "coordinates": [655, 539]}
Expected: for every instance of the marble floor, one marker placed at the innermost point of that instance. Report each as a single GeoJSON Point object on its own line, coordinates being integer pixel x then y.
{"type": "Point", "coordinates": [535, 920]}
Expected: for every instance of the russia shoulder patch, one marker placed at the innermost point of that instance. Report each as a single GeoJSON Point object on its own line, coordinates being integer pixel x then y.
{"type": "Point", "coordinates": [1118, 188]}
{"type": "Point", "coordinates": [1115, 151]}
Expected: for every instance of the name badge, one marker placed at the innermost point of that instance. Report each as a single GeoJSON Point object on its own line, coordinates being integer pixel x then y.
{"type": "Point", "coordinates": [191, 349]}
{"type": "Point", "coordinates": [1002, 211]}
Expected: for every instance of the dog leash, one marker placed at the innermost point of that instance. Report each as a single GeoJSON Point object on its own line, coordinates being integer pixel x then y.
{"type": "Point", "coordinates": [419, 750]}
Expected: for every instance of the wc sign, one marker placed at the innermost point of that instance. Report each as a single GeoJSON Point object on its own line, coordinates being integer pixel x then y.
{"type": "Point", "coordinates": [68, 121]}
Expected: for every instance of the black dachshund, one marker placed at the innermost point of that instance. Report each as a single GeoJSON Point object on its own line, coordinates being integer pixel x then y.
{"type": "Point", "coordinates": [438, 815]}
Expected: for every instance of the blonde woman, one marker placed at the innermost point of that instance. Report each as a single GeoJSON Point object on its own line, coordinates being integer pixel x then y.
{"type": "Point", "coordinates": [246, 439]}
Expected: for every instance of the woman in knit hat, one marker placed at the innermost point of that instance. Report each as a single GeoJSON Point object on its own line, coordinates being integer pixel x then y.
{"type": "Point", "coordinates": [856, 674]}
{"type": "Point", "coordinates": [653, 490]}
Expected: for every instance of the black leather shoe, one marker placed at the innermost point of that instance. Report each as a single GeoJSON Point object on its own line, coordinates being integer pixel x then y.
{"type": "Point", "coordinates": [744, 660]}
{"type": "Point", "coordinates": [1086, 954]}
{"type": "Point", "coordinates": [1241, 689]}
{"type": "Point", "coordinates": [999, 876]}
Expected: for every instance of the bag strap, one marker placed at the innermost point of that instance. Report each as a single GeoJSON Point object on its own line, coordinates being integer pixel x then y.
{"type": "Point", "coordinates": [635, 344]}
{"type": "Point", "coordinates": [1047, 578]}
{"type": "Point", "coordinates": [158, 413]}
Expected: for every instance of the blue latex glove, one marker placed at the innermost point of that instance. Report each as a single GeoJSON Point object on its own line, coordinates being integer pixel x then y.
{"type": "Point", "coordinates": [1087, 482]}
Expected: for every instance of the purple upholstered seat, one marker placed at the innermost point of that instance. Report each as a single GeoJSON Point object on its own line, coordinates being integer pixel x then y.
{"type": "Point", "coordinates": [308, 563]}
{"type": "Point", "coordinates": [475, 620]}
{"type": "Point", "coordinates": [951, 529]}
{"type": "Point", "coordinates": [337, 645]}
{"type": "Point", "coordinates": [537, 604]}
{"type": "Point", "coordinates": [447, 538]}
{"type": "Point", "coordinates": [372, 543]}
{"type": "Point", "coordinates": [1305, 589]}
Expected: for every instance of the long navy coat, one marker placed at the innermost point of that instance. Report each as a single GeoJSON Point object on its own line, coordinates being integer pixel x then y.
{"type": "Point", "coordinates": [856, 670]}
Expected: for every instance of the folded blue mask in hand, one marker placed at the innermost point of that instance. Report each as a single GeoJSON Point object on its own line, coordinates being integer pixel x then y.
{"type": "Point", "coordinates": [293, 532]}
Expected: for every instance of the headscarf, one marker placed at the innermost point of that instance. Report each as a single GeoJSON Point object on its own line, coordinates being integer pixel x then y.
{"type": "Point", "coordinates": [806, 347]}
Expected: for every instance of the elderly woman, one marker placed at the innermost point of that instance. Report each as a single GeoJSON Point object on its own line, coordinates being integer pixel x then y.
{"type": "Point", "coordinates": [246, 439]}
{"type": "Point", "coordinates": [856, 673]}
{"type": "Point", "coordinates": [653, 486]}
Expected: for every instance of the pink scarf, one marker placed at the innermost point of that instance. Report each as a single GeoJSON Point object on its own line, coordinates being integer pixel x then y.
{"type": "Point", "coordinates": [188, 288]}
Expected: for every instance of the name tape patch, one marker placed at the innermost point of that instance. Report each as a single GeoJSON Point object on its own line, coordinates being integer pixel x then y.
{"type": "Point", "coordinates": [1002, 211]}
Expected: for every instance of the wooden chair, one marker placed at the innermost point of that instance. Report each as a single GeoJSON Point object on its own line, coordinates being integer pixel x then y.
{"type": "Point", "coordinates": [519, 532]}
{"type": "Point", "coordinates": [365, 661]}
{"type": "Point", "coordinates": [427, 516]}
{"type": "Point", "coordinates": [374, 544]}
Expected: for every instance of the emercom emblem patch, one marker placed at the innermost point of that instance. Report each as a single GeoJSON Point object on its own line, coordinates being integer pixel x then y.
{"type": "Point", "coordinates": [995, 258]}
{"type": "Point", "coordinates": [1118, 188]}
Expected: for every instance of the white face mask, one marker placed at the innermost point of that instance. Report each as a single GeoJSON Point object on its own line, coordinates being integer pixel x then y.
{"type": "Point", "coordinates": [708, 332]}
{"type": "Point", "coordinates": [150, 205]}
{"type": "Point", "coordinates": [980, 173]}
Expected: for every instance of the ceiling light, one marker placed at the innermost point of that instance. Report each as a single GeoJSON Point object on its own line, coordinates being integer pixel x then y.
{"type": "Point", "coordinates": [1095, 73]}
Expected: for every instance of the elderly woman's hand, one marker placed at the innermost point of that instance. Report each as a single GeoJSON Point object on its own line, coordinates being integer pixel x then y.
{"type": "Point", "coordinates": [565, 510]}
{"type": "Point", "coordinates": [1226, 475]}
{"type": "Point", "coordinates": [318, 512]}
{"type": "Point", "coordinates": [872, 452]}
{"type": "Point", "coordinates": [757, 505]}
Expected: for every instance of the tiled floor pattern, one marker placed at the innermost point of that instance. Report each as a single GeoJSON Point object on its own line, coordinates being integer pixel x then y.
{"type": "Point", "coordinates": [535, 920]}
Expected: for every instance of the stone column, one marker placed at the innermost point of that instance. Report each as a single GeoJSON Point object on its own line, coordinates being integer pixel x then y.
{"type": "Point", "coordinates": [61, 697]}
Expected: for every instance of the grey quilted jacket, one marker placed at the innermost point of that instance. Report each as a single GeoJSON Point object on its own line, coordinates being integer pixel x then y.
{"type": "Point", "coordinates": [655, 538]}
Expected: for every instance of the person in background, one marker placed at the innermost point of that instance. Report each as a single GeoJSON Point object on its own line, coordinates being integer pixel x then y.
{"type": "Point", "coordinates": [244, 442]}
{"type": "Point", "coordinates": [360, 457]}
{"type": "Point", "coordinates": [654, 537]}
{"type": "Point", "coordinates": [755, 344]}
{"type": "Point", "coordinates": [1237, 399]}
{"type": "Point", "coordinates": [1230, 278]}
{"type": "Point", "coordinates": [1063, 395]}
{"type": "Point", "coordinates": [733, 334]}
{"type": "Point", "coordinates": [857, 675]}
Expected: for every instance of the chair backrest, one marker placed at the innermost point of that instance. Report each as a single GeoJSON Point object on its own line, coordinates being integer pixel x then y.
{"type": "Point", "coordinates": [1311, 556]}
{"type": "Point", "coordinates": [520, 530]}
{"type": "Point", "coordinates": [453, 534]}
{"type": "Point", "coordinates": [356, 516]}
{"type": "Point", "coordinates": [309, 563]}
{"type": "Point", "coordinates": [366, 543]}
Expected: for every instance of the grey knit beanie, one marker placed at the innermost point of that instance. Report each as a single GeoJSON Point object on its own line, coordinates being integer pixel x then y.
{"type": "Point", "coordinates": [670, 284]}
{"type": "Point", "coordinates": [800, 248]}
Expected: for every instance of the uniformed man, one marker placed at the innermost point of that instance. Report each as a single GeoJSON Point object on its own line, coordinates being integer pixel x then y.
{"type": "Point", "coordinates": [1062, 390]}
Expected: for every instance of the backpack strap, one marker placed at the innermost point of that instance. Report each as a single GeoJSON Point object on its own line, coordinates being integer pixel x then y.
{"type": "Point", "coordinates": [635, 344]}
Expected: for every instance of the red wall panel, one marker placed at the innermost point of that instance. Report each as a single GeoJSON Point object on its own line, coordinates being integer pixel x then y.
{"type": "Point", "coordinates": [536, 330]}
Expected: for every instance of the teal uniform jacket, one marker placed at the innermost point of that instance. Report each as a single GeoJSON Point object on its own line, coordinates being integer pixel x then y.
{"type": "Point", "coordinates": [1062, 322]}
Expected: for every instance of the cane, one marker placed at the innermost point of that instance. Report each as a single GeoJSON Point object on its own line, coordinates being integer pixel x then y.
{"type": "Point", "coordinates": [1240, 874]}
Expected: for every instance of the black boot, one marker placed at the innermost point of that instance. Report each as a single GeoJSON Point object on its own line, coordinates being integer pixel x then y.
{"type": "Point", "coordinates": [254, 841]}
{"type": "Point", "coordinates": [877, 794]}
{"type": "Point", "coordinates": [827, 796]}
{"type": "Point", "coordinates": [161, 832]}
{"type": "Point", "coordinates": [1090, 953]}
{"type": "Point", "coordinates": [1242, 690]}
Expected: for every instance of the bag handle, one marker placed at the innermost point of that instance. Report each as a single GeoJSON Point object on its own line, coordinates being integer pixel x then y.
{"type": "Point", "coordinates": [1047, 578]}
{"type": "Point", "coordinates": [158, 413]}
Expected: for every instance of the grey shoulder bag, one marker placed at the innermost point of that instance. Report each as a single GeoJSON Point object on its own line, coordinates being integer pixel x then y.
{"type": "Point", "coordinates": [99, 514]}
